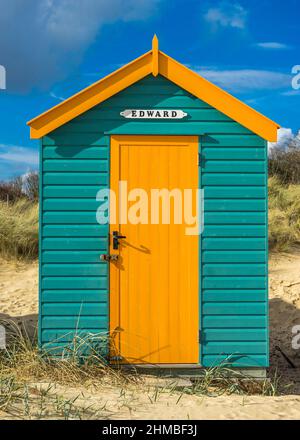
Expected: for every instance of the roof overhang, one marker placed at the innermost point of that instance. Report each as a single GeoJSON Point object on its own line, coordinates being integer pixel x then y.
{"type": "Point", "coordinates": [153, 62]}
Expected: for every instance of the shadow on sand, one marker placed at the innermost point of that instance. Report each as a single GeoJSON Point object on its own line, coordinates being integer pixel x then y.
{"type": "Point", "coordinates": [25, 326]}
{"type": "Point", "coordinates": [284, 359]}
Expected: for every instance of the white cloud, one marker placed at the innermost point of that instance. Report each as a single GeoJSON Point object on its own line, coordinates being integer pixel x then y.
{"type": "Point", "coordinates": [14, 153]}
{"type": "Point", "coordinates": [55, 96]}
{"type": "Point", "coordinates": [227, 15]}
{"type": "Point", "coordinates": [76, 22]}
{"type": "Point", "coordinates": [48, 38]}
{"type": "Point", "coordinates": [291, 93]}
{"type": "Point", "coordinates": [245, 80]}
{"type": "Point", "coordinates": [273, 45]}
{"type": "Point", "coordinates": [2, 78]}
{"type": "Point", "coordinates": [285, 137]}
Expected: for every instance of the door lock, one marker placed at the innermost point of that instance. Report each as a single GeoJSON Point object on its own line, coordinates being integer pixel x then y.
{"type": "Point", "coordinates": [109, 257]}
{"type": "Point", "coordinates": [116, 238]}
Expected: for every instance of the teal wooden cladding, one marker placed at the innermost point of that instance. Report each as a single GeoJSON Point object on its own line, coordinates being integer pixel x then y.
{"type": "Point", "coordinates": [240, 141]}
{"type": "Point", "coordinates": [250, 308]}
{"type": "Point", "coordinates": [53, 152]}
{"type": "Point", "coordinates": [234, 282]}
{"type": "Point", "coordinates": [76, 309]}
{"type": "Point", "coordinates": [73, 269]}
{"type": "Point", "coordinates": [228, 166]}
{"type": "Point", "coordinates": [255, 179]}
{"type": "Point", "coordinates": [66, 336]}
{"type": "Point", "coordinates": [76, 282]}
{"type": "Point", "coordinates": [66, 165]}
{"type": "Point", "coordinates": [234, 231]}
{"type": "Point", "coordinates": [69, 296]}
{"type": "Point", "coordinates": [74, 289]}
{"type": "Point", "coordinates": [216, 192]}
{"type": "Point", "coordinates": [61, 204]}
{"type": "Point", "coordinates": [238, 360]}
{"type": "Point", "coordinates": [165, 128]}
{"type": "Point", "coordinates": [234, 243]}
{"type": "Point", "coordinates": [70, 256]}
{"type": "Point", "coordinates": [236, 335]}
{"type": "Point", "coordinates": [234, 218]}
{"type": "Point", "coordinates": [229, 348]}
{"type": "Point", "coordinates": [231, 321]}
{"type": "Point", "coordinates": [70, 218]}
{"type": "Point", "coordinates": [233, 256]}
{"type": "Point", "coordinates": [254, 205]}
{"type": "Point", "coordinates": [233, 269]}
{"type": "Point", "coordinates": [58, 244]}
{"type": "Point", "coordinates": [73, 231]}
{"type": "Point", "coordinates": [70, 322]}
{"type": "Point", "coordinates": [72, 192]}
{"type": "Point", "coordinates": [80, 179]}
{"type": "Point", "coordinates": [233, 247]}
{"type": "Point", "coordinates": [233, 154]}
{"type": "Point", "coordinates": [233, 295]}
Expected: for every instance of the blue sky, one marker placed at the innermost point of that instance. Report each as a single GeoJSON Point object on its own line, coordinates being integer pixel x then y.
{"type": "Point", "coordinates": [53, 48]}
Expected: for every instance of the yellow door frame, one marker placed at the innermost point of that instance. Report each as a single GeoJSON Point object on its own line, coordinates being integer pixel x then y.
{"type": "Point", "coordinates": [115, 266]}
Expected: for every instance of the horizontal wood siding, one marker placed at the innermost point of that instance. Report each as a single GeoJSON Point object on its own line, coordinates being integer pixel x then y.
{"type": "Point", "coordinates": [74, 282]}
{"type": "Point", "coordinates": [233, 268]}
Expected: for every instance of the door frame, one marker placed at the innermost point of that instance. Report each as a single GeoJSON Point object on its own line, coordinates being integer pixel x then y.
{"type": "Point", "coordinates": [114, 169]}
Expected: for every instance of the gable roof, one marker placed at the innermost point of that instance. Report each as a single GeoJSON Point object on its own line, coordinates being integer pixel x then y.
{"type": "Point", "coordinates": [153, 62]}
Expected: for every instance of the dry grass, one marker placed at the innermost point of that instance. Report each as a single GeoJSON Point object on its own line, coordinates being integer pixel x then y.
{"type": "Point", "coordinates": [19, 222]}
{"type": "Point", "coordinates": [29, 378]}
{"type": "Point", "coordinates": [24, 401]}
{"type": "Point", "coordinates": [284, 214]}
{"type": "Point", "coordinates": [25, 362]}
{"type": "Point", "coordinates": [285, 165]}
{"type": "Point", "coordinates": [221, 379]}
{"type": "Point", "coordinates": [34, 385]}
{"type": "Point", "coordinates": [19, 229]}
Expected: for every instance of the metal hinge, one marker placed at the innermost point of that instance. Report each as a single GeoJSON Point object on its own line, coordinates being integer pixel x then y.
{"type": "Point", "coordinates": [200, 336]}
{"type": "Point", "coordinates": [116, 358]}
{"type": "Point", "coordinates": [199, 159]}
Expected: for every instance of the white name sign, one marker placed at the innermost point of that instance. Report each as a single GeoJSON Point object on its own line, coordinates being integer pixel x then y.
{"type": "Point", "coordinates": [153, 114]}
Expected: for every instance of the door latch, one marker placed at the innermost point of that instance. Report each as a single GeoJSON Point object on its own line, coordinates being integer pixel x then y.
{"type": "Point", "coordinates": [109, 257]}
{"type": "Point", "coordinates": [116, 238]}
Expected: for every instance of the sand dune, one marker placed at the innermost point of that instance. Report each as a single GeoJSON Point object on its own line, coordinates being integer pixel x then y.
{"type": "Point", "coordinates": [18, 290]}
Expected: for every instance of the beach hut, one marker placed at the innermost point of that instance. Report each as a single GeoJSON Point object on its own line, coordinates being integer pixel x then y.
{"type": "Point", "coordinates": [158, 293]}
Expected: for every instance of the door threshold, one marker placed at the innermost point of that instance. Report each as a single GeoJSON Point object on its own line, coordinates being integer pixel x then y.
{"type": "Point", "coordinates": [190, 370]}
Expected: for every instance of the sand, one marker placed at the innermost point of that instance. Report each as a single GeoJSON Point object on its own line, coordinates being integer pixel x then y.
{"type": "Point", "coordinates": [19, 294]}
{"type": "Point", "coordinates": [18, 290]}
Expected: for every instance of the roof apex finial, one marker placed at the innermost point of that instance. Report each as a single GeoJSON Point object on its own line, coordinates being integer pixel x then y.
{"type": "Point", "coordinates": [154, 42]}
{"type": "Point", "coordinates": [155, 51]}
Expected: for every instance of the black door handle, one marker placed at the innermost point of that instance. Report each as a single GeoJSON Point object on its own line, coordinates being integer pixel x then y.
{"type": "Point", "coordinates": [116, 238]}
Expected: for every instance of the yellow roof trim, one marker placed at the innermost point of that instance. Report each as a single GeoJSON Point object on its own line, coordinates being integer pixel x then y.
{"type": "Point", "coordinates": [91, 96]}
{"type": "Point", "coordinates": [218, 98]}
{"type": "Point", "coordinates": [153, 62]}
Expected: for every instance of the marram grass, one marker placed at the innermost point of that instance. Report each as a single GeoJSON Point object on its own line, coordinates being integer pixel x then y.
{"type": "Point", "coordinates": [19, 222]}
{"type": "Point", "coordinates": [23, 363]}
{"type": "Point", "coordinates": [19, 229]}
{"type": "Point", "coordinates": [284, 214]}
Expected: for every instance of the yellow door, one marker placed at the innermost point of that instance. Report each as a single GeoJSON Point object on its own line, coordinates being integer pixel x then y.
{"type": "Point", "coordinates": [154, 283]}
